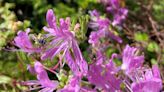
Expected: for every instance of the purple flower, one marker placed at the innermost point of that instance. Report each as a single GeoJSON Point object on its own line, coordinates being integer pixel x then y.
{"type": "Point", "coordinates": [64, 42]}
{"type": "Point", "coordinates": [43, 80]}
{"type": "Point", "coordinates": [23, 42]}
{"type": "Point", "coordinates": [130, 60]}
{"type": "Point", "coordinates": [82, 65]}
{"type": "Point", "coordinates": [31, 69]}
{"type": "Point", "coordinates": [103, 75]}
{"type": "Point", "coordinates": [102, 29]}
{"type": "Point", "coordinates": [114, 7]}
{"type": "Point", "coordinates": [150, 81]}
{"type": "Point", "coordinates": [114, 4]}
{"type": "Point", "coordinates": [120, 16]}
{"type": "Point", "coordinates": [118, 12]}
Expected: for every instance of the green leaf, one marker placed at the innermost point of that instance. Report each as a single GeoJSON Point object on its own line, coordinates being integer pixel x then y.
{"type": "Point", "coordinates": [4, 79]}
{"type": "Point", "coordinates": [81, 34]}
{"type": "Point", "coordinates": [86, 56]}
{"type": "Point", "coordinates": [110, 51]}
{"type": "Point", "coordinates": [153, 61]}
{"type": "Point", "coordinates": [26, 23]}
{"type": "Point", "coordinates": [141, 36]}
{"type": "Point", "coordinates": [158, 10]}
{"type": "Point", "coordinates": [153, 47]}
{"type": "Point", "coordinates": [23, 57]}
{"type": "Point", "coordinates": [117, 62]}
{"type": "Point", "coordinates": [2, 42]}
{"type": "Point", "coordinates": [85, 3]}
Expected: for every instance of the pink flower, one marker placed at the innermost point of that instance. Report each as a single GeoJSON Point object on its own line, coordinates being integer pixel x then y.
{"type": "Point", "coordinates": [64, 42]}
{"type": "Point", "coordinates": [119, 13]}
{"type": "Point", "coordinates": [43, 80]}
{"type": "Point", "coordinates": [22, 40]}
{"type": "Point", "coordinates": [102, 29]}
{"type": "Point", "coordinates": [130, 61]}
{"type": "Point", "coordinates": [150, 81]}
{"type": "Point", "coordinates": [103, 75]}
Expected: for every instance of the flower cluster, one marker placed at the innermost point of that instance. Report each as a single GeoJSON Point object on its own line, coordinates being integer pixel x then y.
{"type": "Point", "coordinates": [102, 29]}
{"type": "Point", "coordinates": [102, 74]}
{"type": "Point", "coordinates": [64, 42]}
{"type": "Point", "coordinates": [116, 8]}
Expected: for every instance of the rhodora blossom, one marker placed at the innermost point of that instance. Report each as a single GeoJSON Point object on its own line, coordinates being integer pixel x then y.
{"type": "Point", "coordinates": [22, 40]}
{"type": "Point", "coordinates": [103, 75]}
{"type": "Point", "coordinates": [150, 81]}
{"type": "Point", "coordinates": [64, 42]}
{"type": "Point", "coordinates": [119, 12]}
{"type": "Point", "coordinates": [130, 60]}
{"type": "Point", "coordinates": [43, 81]}
{"type": "Point", "coordinates": [102, 29]}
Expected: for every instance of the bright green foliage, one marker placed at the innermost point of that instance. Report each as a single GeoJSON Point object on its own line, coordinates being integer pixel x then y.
{"type": "Point", "coordinates": [85, 3]}
{"type": "Point", "coordinates": [153, 47]}
{"type": "Point", "coordinates": [141, 36]}
{"type": "Point", "coordinates": [4, 79]}
{"type": "Point", "coordinates": [9, 24]}
{"type": "Point", "coordinates": [81, 34]}
{"type": "Point", "coordinates": [153, 61]}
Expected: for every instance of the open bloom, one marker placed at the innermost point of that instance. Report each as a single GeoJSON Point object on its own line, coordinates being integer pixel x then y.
{"type": "Point", "coordinates": [148, 81]}
{"type": "Point", "coordinates": [22, 40]}
{"type": "Point", "coordinates": [130, 60]}
{"type": "Point", "coordinates": [119, 12]}
{"type": "Point", "coordinates": [43, 80]}
{"type": "Point", "coordinates": [103, 75]}
{"type": "Point", "coordinates": [102, 29]}
{"type": "Point", "coordinates": [64, 42]}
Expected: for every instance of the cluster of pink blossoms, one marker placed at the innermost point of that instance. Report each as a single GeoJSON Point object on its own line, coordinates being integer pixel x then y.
{"type": "Point", "coordinates": [102, 75]}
